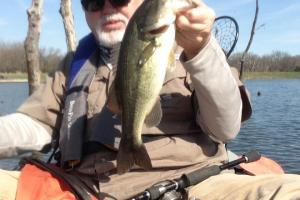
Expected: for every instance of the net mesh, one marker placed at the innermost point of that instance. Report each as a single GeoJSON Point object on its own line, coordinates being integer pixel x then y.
{"type": "Point", "coordinates": [225, 31]}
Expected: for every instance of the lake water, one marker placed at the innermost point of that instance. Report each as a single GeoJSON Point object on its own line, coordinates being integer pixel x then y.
{"type": "Point", "coordinates": [274, 128]}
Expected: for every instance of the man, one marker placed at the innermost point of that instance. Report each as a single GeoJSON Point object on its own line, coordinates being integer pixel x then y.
{"type": "Point", "coordinates": [191, 135]}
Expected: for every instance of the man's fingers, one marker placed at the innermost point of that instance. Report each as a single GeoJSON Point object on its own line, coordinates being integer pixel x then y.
{"type": "Point", "coordinates": [183, 23]}
{"type": "Point", "coordinates": [190, 28]}
{"type": "Point", "coordinates": [191, 36]}
{"type": "Point", "coordinates": [184, 5]}
{"type": "Point", "coordinates": [195, 16]}
{"type": "Point", "coordinates": [200, 14]}
{"type": "Point", "coordinates": [194, 27]}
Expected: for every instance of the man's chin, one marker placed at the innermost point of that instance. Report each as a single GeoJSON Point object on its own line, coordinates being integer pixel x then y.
{"type": "Point", "coordinates": [111, 38]}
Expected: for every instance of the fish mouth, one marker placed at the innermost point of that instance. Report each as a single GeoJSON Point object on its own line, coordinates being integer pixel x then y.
{"type": "Point", "coordinates": [159, 27]}
{"type": "Point", "coordinates": [159, 30]}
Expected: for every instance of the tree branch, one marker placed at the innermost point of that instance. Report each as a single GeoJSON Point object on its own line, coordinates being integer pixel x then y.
{"type": "Point", "coordinates": [250, 40]}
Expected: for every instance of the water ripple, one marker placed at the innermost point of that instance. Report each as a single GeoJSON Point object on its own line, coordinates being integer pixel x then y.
{"type": "Point", "coordinates": [274, 128]}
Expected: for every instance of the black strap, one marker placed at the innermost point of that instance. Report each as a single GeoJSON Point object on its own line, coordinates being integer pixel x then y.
{"type": "Point", "coordinates": [76, 187]}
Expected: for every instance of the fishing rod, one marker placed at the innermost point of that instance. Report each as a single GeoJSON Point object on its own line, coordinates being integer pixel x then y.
{"type": "Point", "coordinates": [158, 190]}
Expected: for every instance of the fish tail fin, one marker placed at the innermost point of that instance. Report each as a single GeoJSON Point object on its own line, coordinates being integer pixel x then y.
{"type": "Point", "coordinates": [128, 157]}
{"type": "Point", "coordinates": [142, 158]}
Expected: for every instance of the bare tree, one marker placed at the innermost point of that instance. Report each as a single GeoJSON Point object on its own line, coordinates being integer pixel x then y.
{"type": "Point", "coordinates": [32, 49]}
{"type": "Point", "coordinates": [68, 20]}
{"type": "Point", "coordinates": [32, 44]}
{"type": "Point", "coordinates": [250, 40]}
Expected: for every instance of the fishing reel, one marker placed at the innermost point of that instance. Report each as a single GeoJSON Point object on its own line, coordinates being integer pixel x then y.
{"type": "Point", "coordinates": [169, 195]}
{"type": "Point", "coordinates": [162, 191]}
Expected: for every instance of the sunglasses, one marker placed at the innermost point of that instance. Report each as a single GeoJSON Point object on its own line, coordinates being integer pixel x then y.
{"type": "Point", "coordinates": [97, 5]}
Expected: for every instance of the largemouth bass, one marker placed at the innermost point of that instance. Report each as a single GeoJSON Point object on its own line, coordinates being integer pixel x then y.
{"type": "Point", "coordinates": [145, 53]}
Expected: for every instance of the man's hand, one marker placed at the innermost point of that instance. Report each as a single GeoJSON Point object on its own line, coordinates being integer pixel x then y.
{"type": "Point", "coordinates": [193, 28]}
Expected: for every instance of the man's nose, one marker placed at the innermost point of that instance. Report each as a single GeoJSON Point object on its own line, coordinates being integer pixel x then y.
{"type": "Point", "coordinates": [108, 7]}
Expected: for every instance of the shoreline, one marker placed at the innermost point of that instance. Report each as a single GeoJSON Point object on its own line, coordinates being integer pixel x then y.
{"type": "Point", "coordinates": [13, 80]}
{"type": "Point", "coordinates": [22, 77]}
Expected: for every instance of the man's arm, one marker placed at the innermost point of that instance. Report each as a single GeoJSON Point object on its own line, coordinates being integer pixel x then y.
{"type": "Point", "coordinates": [219, 100]}
{"type": "Point", "coordinates": [20, 134]}
{"type": "Point", "coordinates": [37, 119]}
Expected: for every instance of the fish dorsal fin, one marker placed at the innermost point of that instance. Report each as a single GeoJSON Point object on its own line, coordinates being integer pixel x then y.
{"type": "Point", "coordinates": [155, 116]}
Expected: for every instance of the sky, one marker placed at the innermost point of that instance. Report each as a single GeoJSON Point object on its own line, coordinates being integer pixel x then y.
{"type": "Point", "coordinates": [279, 23]}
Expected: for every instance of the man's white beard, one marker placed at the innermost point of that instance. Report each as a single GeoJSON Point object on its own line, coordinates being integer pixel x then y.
{"type": "Point", "coordinates": [111, 38]}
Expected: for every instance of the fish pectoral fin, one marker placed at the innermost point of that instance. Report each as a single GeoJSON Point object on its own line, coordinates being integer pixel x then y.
{"type": "Point", "coordinates": [155, 116]}
{"type": "Point", "coordinates": [147, 53]}
{"type": "Point", "coordinates": [128, 157]}
{"type": "Point", "coordinates": [113, 103]}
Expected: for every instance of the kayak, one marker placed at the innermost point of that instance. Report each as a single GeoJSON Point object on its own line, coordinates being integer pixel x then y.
{"type": "Point", "coordinates": [264, 165]}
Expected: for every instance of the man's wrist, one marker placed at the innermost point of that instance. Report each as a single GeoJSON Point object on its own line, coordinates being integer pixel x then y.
{"type": "Point", "coordinates": [187, 60]}
{"type": "Point", "coordinates": [190, 54]}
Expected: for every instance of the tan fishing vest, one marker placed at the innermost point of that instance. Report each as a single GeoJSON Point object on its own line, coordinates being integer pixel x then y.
{"type": "Point", "coordinates": [185, 143]}
{"type": "Point", "coordinates": [177, 145]}
{"type": "Point", "coordinates": [184, 136]}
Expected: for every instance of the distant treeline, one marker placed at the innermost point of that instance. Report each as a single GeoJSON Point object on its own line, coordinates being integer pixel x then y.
{"type": "Point", "coordinates": [12, 58]}
{"type": "Point", "coordinates": [278, 61]}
